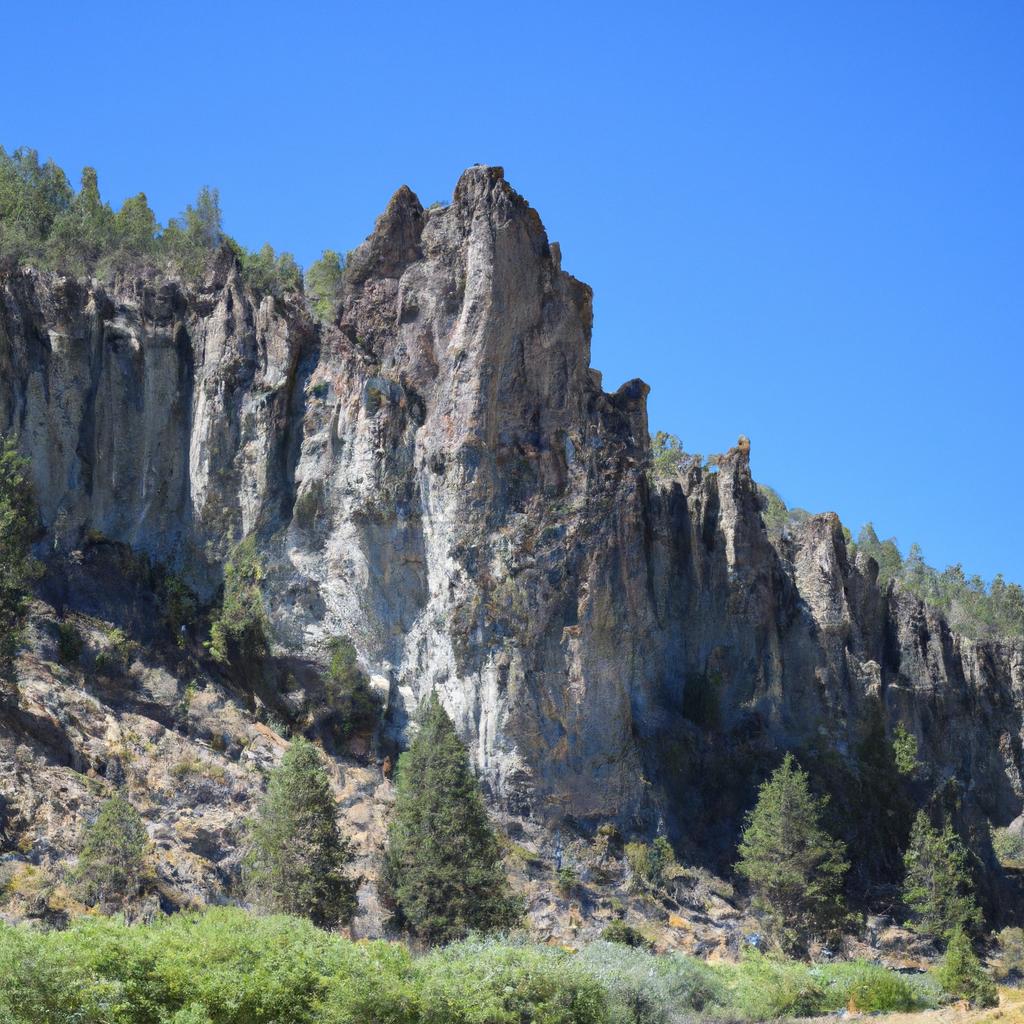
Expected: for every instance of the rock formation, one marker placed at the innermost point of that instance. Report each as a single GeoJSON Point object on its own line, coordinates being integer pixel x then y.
{"type": "Point", "coordinates": [439, 476]}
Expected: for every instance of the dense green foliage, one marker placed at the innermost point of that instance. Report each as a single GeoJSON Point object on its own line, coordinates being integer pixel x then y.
{"type": "Point", "coordinates": [240, 629]}
{"type": "Point", "coordinates": [904, 746]}
{"type": "Point", "coordinates": [43, 221]}
{"type": "Point", "coordinates": [938, 889]}
{"type": "Point", "coordinates": [110, 867]}
{"type": "Point", "coordinates": [625, 934]}
{"type": "Point", "coordinates": [17, 525]}
{"type": "Point", "coordinates": [297, 856]}
{"type": "Point", "coordinates": [443, 867]}
{"type": "Point", "coordinates": [794, 867]}
{"type": "Point", "coordinates": [971, 607]}
{"type": "Point", "coordinates": [961, 975]}
{"type": "Point", "coordinates": [229, 967]}
{"type": "Point", "coordinates": [1009, 847]}
{"type": "Point", "coordinates": [323, 284]}
{"type": "Point", "coordinates": [355, 706]}
{"type": "Point", "coordinates": [650, 863]}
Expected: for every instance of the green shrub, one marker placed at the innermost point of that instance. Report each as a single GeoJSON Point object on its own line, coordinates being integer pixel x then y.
{"type": "Point", "coordinates": [868, 988]}
{"type": "Point", "coordinates": [766, 988]}
{"type": "Point", "coordinates": [355, 704]}
{"type": "Point", "coordinates": [270, 274]}
{"type": "Point", "coordinates": [1009, 846]}
{"type": "Point", "coordinates": [904, 748]}
{"type": "Point", "coordinates": [1010, 959]}
{"type": "Point", "coordinates": [625, 935]}
{"type": "Point", "coordinates": [240, 629]}
{"type": "Point", "coordinates": [567, 880]}
{"type": "Point", "coordinates": [650, 863]}
{"type": "Point", "coordinates": [69, 643]}
{"type": "Point", "coordinates": [481, 982]}
{"type": "Point", "coordinates": [647, 989]}
{"type": "Point", "coordinates": [962, 975]}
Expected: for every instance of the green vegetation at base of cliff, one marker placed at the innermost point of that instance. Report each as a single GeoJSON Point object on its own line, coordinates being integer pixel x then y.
{"type": "Point", "coordinates": [228, 966]}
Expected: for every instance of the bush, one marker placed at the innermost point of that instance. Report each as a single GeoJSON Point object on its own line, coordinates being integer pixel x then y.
{"type": "Point", "coordinates": [647, 989]}
{"type": "Point", "coordinates": [904, 748]}
{"type": "Point", "coordinates": [567, 880]}
{"type": "Point", "coordinates": [1009, 847]}
{"type": "Point", "coordinates": [69, 643]}
{"type": "Point", "coordinates": [324, 280]}
{"type": "Point", "coordinates": [650, 863]}
{"type": "Point", "coordinates": [625, 935]}
{"type": "Point", "coordinates": [1010, 960]}
{"type": "Point", "coordinates": [962, 976]}
{"type": "Point", "coordinates": [355, 705]}
{"type": "Point", "coordinates": [867, 988]}
{"type": "Point", "coordinates": [486, 982]}
{"type": "Point", "coordinates": [240, 629]}
{"type": "Point", "coordinates": [766, 988]}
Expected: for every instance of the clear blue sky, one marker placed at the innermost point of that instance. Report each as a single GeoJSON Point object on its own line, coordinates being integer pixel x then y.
{"type": "Point", "coordinates": [803, 221]}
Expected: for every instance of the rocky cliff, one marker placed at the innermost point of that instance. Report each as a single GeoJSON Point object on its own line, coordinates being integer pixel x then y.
{"type": "Point", "coordinates": [439, 476]}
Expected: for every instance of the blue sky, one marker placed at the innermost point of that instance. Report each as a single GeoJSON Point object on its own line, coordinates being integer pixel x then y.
{"type": "Point", "coordinates": [803, 222]}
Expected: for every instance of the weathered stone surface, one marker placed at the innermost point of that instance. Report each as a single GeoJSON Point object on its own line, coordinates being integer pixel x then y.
{"type": "Point", "coordinates": [439, 476]}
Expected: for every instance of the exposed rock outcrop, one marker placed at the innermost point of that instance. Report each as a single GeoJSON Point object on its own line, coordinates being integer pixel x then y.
{"type": "Point", "coordinates": [440, 476]}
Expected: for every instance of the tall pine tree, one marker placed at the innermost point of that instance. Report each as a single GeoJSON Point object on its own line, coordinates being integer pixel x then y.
{"type": "Point", "coordinates": [443, 866]}
{"type": "Point", "coordinates": [297, 855]}
{"type": "Point", "coordinates": [111, 864]}
{"type": "Point", "coordinates": [794, 867]}
{"type": "Point", "coordinates": [17, 568]}
{"type": "Point", "coordinates": [938, 890]}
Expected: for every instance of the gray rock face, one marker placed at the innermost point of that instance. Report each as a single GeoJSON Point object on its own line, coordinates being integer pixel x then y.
{"type": "Point", "coordinates": [439, 476]}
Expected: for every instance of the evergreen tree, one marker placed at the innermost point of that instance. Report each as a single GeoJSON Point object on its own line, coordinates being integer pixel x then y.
{"type": "Point", "coordinates": [17, 568]}
{"type": "Point", "coordinates": [443, 866]}
{"type": "Point", "coordinates": [962, 975]}
{"type": "Point", "coordinates": [295, 864]}
{"type": "Point", "coordinates": [240, 629]}
{"type": "Point", "coordinates": [937, 889]}
{"type": "Point", "coordinates": [323, 284]}
{"type": "Point", "coordinates": [794, 867]}
{"type": "Point", "coordinates": [111, 863]}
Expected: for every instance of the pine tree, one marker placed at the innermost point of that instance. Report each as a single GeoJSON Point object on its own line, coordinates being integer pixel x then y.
{"type": "Point", "coordinates": [937, 888]}
{"type": "Point", "coordinates": [111, 863]}
{"type": "Point", "coordinates": [295, 864]}
{"type": "Point", "coordinates": [17, 568]}
{"type": "Point", "coordinates": [794, 867]}
{"type": "Point", "coordinates": [962, 975]}
{"type": "Point", "coordinates": [443, 866]}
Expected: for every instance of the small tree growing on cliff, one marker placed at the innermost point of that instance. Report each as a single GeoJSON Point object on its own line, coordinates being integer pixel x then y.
{"type": "Point", "coordinates": [111, 863]}
{"type": "Point", "coordinates": [443, 866]}
{"type": "Point", "coordinates": [794, 867]}
{"type": "Point", "coordinates": [240, 629]}
{"type": "Point", "coordinates": [17, 568]}
{"type": "Point", "coordinates": [297, 856]}
{"type": "Point", "coordinates": [938, 890]}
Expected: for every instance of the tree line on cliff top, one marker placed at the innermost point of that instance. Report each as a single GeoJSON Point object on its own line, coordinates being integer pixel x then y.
{"type": "Point", "coordinates": [46, 223]}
